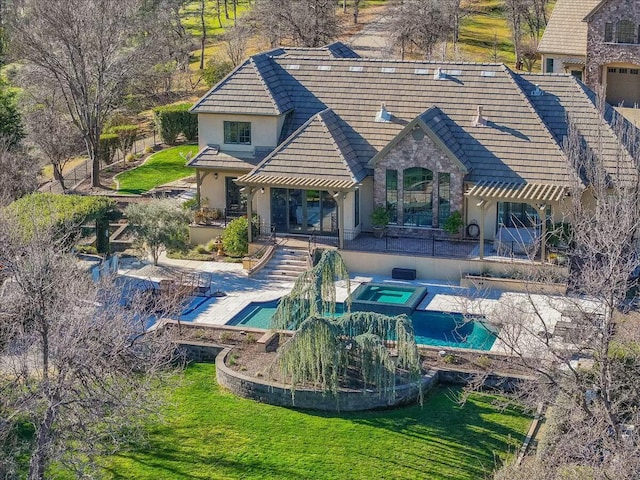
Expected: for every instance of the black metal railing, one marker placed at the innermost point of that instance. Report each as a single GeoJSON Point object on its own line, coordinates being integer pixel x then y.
{"type": "Point", "coordinates": [434, 246]}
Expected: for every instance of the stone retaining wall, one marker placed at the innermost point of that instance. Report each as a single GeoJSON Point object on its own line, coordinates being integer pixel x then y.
{"type": "Point", "coordinates": [280, 394]}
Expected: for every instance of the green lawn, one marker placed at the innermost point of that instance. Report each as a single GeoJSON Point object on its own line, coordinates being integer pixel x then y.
{"type": "Point", "coordinates": [211, 434]}
{"type": "Point", "coordinates": [162, 167]}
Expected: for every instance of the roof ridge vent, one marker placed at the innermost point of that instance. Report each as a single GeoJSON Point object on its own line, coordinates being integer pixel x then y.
{"type": "Point", "coordinates": [383, 116]}
{"type": "Point", "coordinates": [438, 74]}
{"type": "Point", "coordinates": [480, 121]}
{"type": "Point", "coordinates": [537, 92]}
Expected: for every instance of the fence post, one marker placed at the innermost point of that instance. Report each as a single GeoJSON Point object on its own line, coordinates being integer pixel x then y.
{"type": "Point", "coordinates": [433, 246]}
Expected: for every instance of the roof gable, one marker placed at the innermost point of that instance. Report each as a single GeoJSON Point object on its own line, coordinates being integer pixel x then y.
{"type": "Point", "coordinates": [434, 123]}
{"type": "Point", "coordinates": [262, 92]}
{"type": "Point", "coordinates": [566, 32]}
{"type": "Point", "coordinates": [317, 154]}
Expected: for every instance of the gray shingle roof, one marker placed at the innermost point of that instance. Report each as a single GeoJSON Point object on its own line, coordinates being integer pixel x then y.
{"type": "Point", "coordinates": [211, 158]}
{"type": "Point", "coordinates": [521, 142]}
{"type": "Point", "coordinates": [566, 32]}
{"type": "Point", "coordinates": [255, 89]}
{"type": "Point", "coordinates": [319, 151]}
{"type": "Point", "coordinates": [333, 50]}
{"type": "Point", "coordinates": [566, 98]}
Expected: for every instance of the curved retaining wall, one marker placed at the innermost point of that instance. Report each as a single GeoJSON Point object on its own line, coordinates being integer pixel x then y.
{"type": "Point", "coordinates": [280, 394]}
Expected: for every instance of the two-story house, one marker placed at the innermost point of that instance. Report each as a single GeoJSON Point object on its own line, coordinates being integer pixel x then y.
{"type": "Point", "coordinates": [315, 138]}
{"type": "Point", "coordinates": [598, 41]}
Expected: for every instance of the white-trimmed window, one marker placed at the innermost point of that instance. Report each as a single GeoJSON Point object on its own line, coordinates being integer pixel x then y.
{"type": "Point", "coordinates": [238, 133]}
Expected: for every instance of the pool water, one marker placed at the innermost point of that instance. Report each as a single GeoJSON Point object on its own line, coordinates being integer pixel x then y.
{"type": "Point", "coordinates": [387, 299]}
{"type": "Point", "coordinates": [440, 329]}
{"type": "Point", "coordinates": [396, 295]}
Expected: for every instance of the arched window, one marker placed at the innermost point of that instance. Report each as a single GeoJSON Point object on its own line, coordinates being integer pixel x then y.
{"type": "Point", "coordinates": [418, 187]}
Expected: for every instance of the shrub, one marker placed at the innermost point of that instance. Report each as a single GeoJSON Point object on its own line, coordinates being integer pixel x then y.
{"type": "Point", "coordinates": [202, 249]}
{"type": "Point", "coordinates": [109, 143]}
{"type": "Point", "coordinates": [454, 223]}
{"type": "Point", "coordinates": [130, 158]}
{"type": "Point", "coordinates": [235, 237]}
{"type": "Point", "coordinates": [216, 71]}
{"type": "Point", "coordinates": [191, 204]}
{"type": "Point", "coordinates": [226, 337]}
{"type": "Point", "coordinates": [250, 339]}
{"type": "Point", "coordinates": [148, 149]}
{"type": "Point", "coordinates": [172, 120]}
{"type": "Point", "coordinates": [483, 362]}
{"type": "Point", "coordinates": [127, 135]}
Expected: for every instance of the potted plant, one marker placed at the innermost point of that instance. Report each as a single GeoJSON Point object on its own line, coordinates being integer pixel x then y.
{"type": "Point", "coordinates": [453, 224]}
{"type": "Point", "coordinates": [380, 218]}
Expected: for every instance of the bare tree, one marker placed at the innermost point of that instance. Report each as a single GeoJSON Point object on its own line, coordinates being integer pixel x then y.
{"type": "Point", "coordinates": [235, 43]}
{"type": "Point", "coordinates": [581, 346]}
{"type": "Point", "coordinates": [308, 23]}
{"type": "Point", "coordinates": [76, 365]}
{"type": "Point", "coordinates": [50, 130]}
{"type": "Point", "coordinates": [422, 23]}
{"type": "Point", "coordinates": [18, 172]}
{"type": "Point", "coordinates": [92, 50]}
{"type": "Point", "coordinates": [203, 34]}
{"type": "Point", "coordinates": [356, 11]}
{"type": "Point", "coordinates": [525, 17]}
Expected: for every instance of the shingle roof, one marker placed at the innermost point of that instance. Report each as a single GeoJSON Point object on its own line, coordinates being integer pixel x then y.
{"type": "Point", "coordinates": [211, 158]}
{"type": "Point", "coordinates": [565, 97]}
{"type": "Point", "coordinates": [566, 32]}
{"type": "Point", "coordinates": [521, 142]}
{"type": "Point", "coordinates": [317, 152]}
{"type": "Point", "coordinates": [256, 83]}
{"type": "Point", "coordinates": [333, 50]}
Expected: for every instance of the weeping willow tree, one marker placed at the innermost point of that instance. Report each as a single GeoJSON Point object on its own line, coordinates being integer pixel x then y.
{"type": "Point", "coordinates": [314, 293]}
{"type": "Point", "coordinates": [328, 353]}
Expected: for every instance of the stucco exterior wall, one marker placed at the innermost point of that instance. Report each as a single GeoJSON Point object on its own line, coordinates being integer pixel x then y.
{"type": "Point", "coordinates": [450, 270]}
{"type": "Point", "coordinates": [265, 131]}
{"type": "Point", "coordinates": [558, 63]}
{"type": "Point", "coordinates": [213, 190]}
{"type": "Point", "coordinates": [599, 52]}
{"type": "Point", "coordinates": [414, 152]}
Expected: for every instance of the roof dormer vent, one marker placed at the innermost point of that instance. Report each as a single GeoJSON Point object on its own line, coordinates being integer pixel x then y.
{"type": "Point", "coordinates": [480, 121]}
{"type": "Point", "coordinates": [383, 115]}
{"type": "Point", "coordinates": [438, 74]}
{"type": "Point", "coordinates": [537, 92]}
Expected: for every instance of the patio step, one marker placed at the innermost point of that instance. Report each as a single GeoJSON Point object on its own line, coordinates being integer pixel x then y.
{"type": "Point", "coordinates": [287, 263]}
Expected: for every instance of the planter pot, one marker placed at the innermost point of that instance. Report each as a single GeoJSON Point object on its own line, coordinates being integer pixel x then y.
{"type": "Point", "coordinates": [378, 232]}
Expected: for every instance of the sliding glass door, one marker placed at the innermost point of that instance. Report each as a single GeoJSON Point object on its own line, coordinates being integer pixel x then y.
{"type": "Point", "coordinates": [303, 211]}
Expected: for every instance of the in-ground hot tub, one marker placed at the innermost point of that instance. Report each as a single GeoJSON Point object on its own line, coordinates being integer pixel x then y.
{"type": "Point", "coordinates": [387, 299]}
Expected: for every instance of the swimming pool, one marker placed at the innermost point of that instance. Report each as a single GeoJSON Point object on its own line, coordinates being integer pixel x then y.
{"type": "Point", "coordinates": [440, 329]}
{"type": "Point", "coordinates": [387, 299]}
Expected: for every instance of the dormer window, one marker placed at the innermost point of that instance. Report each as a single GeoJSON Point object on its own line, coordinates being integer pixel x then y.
{"type": "Point", "coordinates": [238, 133]}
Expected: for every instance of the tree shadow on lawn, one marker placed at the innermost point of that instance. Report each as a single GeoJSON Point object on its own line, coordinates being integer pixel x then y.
{"type": "Point", "coordinates": [177, 460]}
{"type": "Point", "coordinates": [471, 430]}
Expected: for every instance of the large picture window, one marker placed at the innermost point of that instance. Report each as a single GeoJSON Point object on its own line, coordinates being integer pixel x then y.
{"type": "Point", "coordinates": [392, 194]}
{"type": "Point", "coordinates": [444, 197]}
{"type": "Point", "coordinates": [237, 133]}
{"type": "Point", "coordinates": [418, 187]}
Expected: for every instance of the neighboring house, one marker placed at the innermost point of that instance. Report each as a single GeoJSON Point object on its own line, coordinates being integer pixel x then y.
{"type": "Point", "coordinates": [597, 41]}
{"type": "Point", "coordinates": [316, 141]}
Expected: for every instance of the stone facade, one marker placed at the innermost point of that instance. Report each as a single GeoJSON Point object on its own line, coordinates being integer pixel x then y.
{"type": "Point", "coordinates": [345, 401]}
{"type": "Point", "coordinates": [413, 151]}
{"type": "Point", "coordinates": [601, 53]}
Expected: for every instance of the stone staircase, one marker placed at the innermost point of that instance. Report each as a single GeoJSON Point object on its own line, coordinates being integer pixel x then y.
{"type": "Point", "coordinates": [285, 266]}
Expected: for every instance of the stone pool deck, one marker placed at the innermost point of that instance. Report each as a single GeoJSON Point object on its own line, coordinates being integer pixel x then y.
{"type": "Point", "coordinates": [520, 312]}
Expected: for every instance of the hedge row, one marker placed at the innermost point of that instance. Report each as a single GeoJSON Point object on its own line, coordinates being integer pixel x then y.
{"type": "Point", "coordinates": [118, 137]}
{"type": "Point", "coordinates": [172, 120]}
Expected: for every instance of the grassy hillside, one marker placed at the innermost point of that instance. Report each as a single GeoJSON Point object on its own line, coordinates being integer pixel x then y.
{"type": "Point", "coordinates": [485, 36]}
